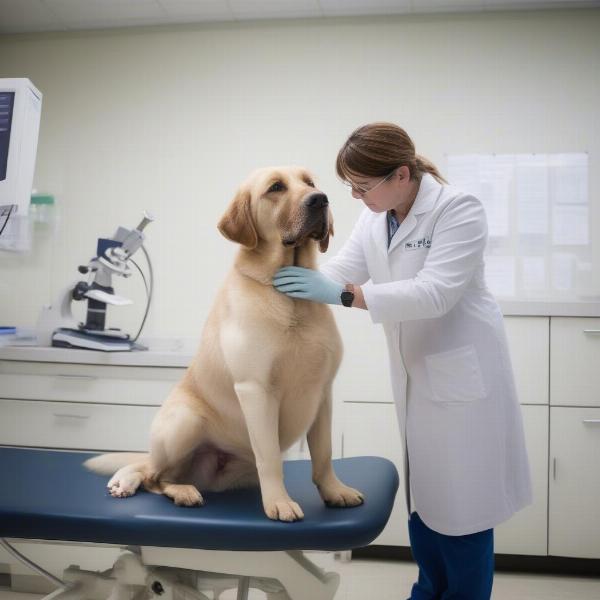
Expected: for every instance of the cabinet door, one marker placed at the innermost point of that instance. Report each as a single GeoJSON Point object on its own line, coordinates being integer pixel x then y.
{"type": "Point", "coordinates": [574, 361]}
{"type": "Point", "coordinates": [529, 347]}
{"type": "Point", "coordinates": [372, 430]}
{"type": "Point", "coordinates": [527, 531]}
{"type": "Point", "coordinates": [574, 503]}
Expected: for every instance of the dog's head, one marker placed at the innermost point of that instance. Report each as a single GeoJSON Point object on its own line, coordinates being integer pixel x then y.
{"type": "Point", "coordinates": [278, 205]}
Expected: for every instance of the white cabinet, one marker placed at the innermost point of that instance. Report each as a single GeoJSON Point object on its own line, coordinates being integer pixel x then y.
{"type": "Point", "coordinates": [575, 361]}
{"type": "Point", "coordinates": [574, 507]}
{"type": "Point", "coordinates": [372, 430]}
{"type": "Point", "coordinates": [556, 362]}
{"type": "Point", "coordinates": [527, 531]}
{"type": "Point", "coordinates": [528, 343]}
{"type": "Point", "coordinates": [574, 478]}
{"type": "Point", "coordinates": [81, 406]}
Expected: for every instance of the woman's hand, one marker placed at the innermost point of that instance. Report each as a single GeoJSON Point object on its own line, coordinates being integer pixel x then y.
{"type": "Point", "coordinates": [307, 284]}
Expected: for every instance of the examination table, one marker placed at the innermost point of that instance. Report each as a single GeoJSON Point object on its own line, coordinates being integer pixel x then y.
{"type": "Point", "coordinates": [184, 553]}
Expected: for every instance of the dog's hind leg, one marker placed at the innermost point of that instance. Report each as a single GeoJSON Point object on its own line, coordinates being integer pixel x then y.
{"type": "Point", "coordinates": [182, 494]}
{"type": "Point", "coordinates": [177, 431]}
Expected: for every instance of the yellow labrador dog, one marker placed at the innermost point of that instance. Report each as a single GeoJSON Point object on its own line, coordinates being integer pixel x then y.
{"type": "Point", "coordinates": [263, 374]}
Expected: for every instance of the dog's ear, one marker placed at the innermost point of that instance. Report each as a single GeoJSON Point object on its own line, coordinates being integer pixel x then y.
{"type": "Point", "coordinates": [324, 243]}
{"type": "Point", "coordinates": [237, 223]}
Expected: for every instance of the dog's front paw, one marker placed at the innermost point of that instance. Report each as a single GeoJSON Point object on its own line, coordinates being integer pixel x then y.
{"type": "Point", "coordinates": [338, 494]}
{"type": "Point", "coordinates": [283, 509]}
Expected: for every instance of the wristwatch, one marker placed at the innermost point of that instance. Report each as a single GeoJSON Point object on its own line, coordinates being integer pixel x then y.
{"type": "Point", "coordinates": [347, 295]}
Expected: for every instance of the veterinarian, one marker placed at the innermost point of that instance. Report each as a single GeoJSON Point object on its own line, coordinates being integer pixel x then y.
{"type": "Point", "coordinates": [414, 260]}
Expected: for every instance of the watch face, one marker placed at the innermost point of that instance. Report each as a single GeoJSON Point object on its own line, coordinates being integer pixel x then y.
{"type": "Point", "coordinates": [347, 298]}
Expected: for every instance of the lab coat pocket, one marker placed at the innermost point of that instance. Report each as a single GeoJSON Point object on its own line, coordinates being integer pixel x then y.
{"type": "Point", "coordinates": [455, 375]}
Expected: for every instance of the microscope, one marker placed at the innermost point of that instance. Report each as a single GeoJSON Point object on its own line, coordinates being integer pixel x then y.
{"type": "Point", "coordinates": [56, 325]}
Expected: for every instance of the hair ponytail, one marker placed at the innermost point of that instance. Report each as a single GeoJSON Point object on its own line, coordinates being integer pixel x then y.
{"type": "Point", "coordinates": [424, 165]}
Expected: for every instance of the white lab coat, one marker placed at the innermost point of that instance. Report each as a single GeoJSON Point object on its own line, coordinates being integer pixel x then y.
{"type": "Point", "coordinates": [452, 379]}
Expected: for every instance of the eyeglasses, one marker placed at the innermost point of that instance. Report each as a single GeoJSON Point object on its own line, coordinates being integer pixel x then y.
{"type": "Point", "coordinates": [361, 191]}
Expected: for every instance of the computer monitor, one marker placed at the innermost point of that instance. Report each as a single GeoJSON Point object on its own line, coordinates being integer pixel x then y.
{"type": "Point", "coordinates": [20, 110]}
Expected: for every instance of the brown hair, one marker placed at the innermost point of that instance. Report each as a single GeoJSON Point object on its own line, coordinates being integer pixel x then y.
{"type": "Point", "coordinates": [375, 150]}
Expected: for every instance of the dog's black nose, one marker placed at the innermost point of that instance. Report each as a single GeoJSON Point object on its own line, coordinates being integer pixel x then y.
{"type": "Point", "coordinates": [317, 200]}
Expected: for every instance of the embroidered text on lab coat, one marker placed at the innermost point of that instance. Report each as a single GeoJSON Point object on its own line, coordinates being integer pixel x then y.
{"type": "Point", "coordinates": [420, 243]}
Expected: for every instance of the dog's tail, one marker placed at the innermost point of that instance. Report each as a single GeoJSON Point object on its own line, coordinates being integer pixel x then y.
{"type": "Point", "coordinates": [108, 464]}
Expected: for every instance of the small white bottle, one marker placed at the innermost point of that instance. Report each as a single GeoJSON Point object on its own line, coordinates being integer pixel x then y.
{"type": "Point", "coordinates": [43, 214]}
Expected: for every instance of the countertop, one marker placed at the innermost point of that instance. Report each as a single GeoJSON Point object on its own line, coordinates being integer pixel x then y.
{"type": "Point", "coordinates": [161, 353]}
{"type": "Point", "coordinates": [516, 308]}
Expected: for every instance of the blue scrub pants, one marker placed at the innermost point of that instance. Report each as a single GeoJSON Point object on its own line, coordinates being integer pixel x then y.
{"type": "Point", "coordinates": [451, 567]}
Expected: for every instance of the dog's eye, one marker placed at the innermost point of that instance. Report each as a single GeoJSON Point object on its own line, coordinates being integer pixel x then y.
{"type": "Point", "coordinates": [276, 187]}
{"type": "Point", "coordinates": [309, 182]}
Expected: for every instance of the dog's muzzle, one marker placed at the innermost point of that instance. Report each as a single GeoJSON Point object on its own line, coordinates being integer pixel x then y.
{"type": "Point", "coordinates": [312, 220]}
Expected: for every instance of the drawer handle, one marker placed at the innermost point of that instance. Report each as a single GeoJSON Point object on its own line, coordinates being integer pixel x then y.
{"type": "Point", "coordinates": [593, 421]}
{"type": "Point", "coordinates": [591, 331]}
{"type": "Point", "coordinates": [62, 415]}
{"type": "Point", "coordinates": [65, 376]}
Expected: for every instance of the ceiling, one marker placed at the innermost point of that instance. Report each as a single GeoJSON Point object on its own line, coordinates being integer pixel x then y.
{"type": "Point", "coordinates": [21, 16]}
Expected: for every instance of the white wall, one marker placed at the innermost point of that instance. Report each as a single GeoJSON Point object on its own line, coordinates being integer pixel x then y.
{"type": "Point", "coordinates": [172, 119]}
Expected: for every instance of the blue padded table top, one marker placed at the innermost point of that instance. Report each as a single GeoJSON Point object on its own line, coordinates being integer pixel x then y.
{"type": "Point", "coordinates": [49, 495]}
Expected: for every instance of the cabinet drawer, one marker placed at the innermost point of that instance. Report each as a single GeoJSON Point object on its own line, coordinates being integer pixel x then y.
{"type": "Point", "coordinates": [574, 361]}
{"type": "Point", "coordinates": [76, 426]}
{"type": "Point", "coordinates": [87, 383]}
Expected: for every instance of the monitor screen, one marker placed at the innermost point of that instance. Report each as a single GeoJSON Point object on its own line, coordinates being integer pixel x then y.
{"type": "Point", "coordinates": [7, 100]}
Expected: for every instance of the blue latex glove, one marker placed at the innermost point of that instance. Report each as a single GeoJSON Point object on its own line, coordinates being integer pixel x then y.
{"type": "Point", "coordinates": [307, 284]}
